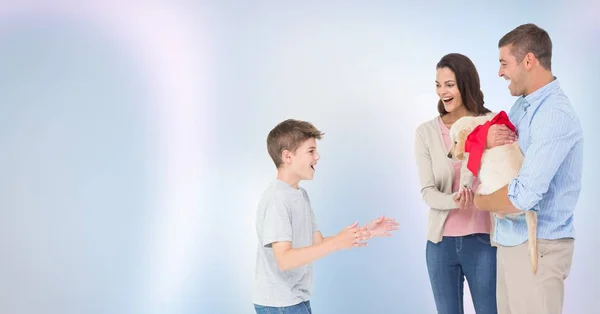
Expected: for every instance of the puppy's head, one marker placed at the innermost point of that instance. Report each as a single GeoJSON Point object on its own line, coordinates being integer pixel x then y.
{"type": "Point", "coordinates": [459, 132]}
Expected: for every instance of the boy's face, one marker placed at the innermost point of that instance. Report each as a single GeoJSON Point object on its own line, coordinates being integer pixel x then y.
{"type": "Point", "coordinates": [302, 162]}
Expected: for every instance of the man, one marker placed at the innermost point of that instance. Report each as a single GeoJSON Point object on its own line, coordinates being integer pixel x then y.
{"type": "Point", "coordinates": [549, 182]}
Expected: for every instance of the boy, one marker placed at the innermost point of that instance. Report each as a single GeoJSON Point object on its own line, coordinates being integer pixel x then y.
{"type": "Point", "coordinates": [288, 235]}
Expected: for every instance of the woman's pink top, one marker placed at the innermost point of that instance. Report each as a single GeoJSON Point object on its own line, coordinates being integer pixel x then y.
{"type": "Point", "coordinates": [461, 222]}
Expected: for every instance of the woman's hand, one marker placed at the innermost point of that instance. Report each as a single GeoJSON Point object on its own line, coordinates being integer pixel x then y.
{"type": "Point", "coordinates": [464, 198]}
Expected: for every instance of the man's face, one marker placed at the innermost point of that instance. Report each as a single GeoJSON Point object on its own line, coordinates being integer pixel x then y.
{"type": "Point", "coordinates": [513, 71]}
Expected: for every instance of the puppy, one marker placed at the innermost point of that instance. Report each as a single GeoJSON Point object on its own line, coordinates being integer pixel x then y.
{"type": "Point", "coordinates": [499, 166]}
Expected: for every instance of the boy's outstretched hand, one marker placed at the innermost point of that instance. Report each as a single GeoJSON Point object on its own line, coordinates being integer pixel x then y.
{"type": "Point", "coordinates": [352, 236]}
{"type": "Point", "coordinates": [381, 227]}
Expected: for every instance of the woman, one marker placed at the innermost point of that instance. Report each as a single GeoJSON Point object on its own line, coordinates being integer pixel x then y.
{"type": "Point", "coordinates": [458, 234]}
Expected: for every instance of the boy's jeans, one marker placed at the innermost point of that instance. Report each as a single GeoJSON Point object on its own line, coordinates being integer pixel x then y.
{"type": "Point", "coordinates": [455, 258]}
{"type": "Point", "coordinates": [300, 308]}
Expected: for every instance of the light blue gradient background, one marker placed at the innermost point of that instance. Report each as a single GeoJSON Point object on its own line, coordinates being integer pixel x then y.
{"type": "Point", "coordinates": [133, 144]}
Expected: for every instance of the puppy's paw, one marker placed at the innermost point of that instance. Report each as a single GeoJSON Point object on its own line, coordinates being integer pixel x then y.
{"type": "Point", "coordinates": [466, 180]}
{"type": "Point", "coordinates": [466, 177]}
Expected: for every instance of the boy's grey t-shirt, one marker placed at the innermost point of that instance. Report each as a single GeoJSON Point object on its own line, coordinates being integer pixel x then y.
{"type": "Point", "coordinates": [283, 214]}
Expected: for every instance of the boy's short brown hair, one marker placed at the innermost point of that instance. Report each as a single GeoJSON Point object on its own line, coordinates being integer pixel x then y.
{"type": "Point", "coordinates": [288, 135]}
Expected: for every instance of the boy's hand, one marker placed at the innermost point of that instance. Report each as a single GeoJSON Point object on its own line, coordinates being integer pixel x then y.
{"type": "Point", "coordinates": [352, 236]}
{"type": "Point", "coordinates": [381, 227]}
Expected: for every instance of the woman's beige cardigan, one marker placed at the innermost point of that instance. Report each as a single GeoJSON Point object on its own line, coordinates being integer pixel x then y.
{"type": "Point", "coordinates": [436, 176]}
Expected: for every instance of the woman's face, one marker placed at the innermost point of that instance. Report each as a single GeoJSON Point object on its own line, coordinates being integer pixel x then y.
{"type": "Point", "coordinates": [447, 89]}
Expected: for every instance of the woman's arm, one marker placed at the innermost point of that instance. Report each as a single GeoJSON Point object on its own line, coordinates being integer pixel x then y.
{"type": "Point", "coordinates": [430, 193]}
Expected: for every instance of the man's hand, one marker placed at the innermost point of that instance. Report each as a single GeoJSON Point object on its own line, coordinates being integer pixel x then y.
{"type": "Point", "coordinates": [381, 227]}
{"type": "Point", "coordinates": [352, 236]}
{"type": "Point", "coordinates": [499, 134]}
{"type": "Point", "coordinates": [464, 198]}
